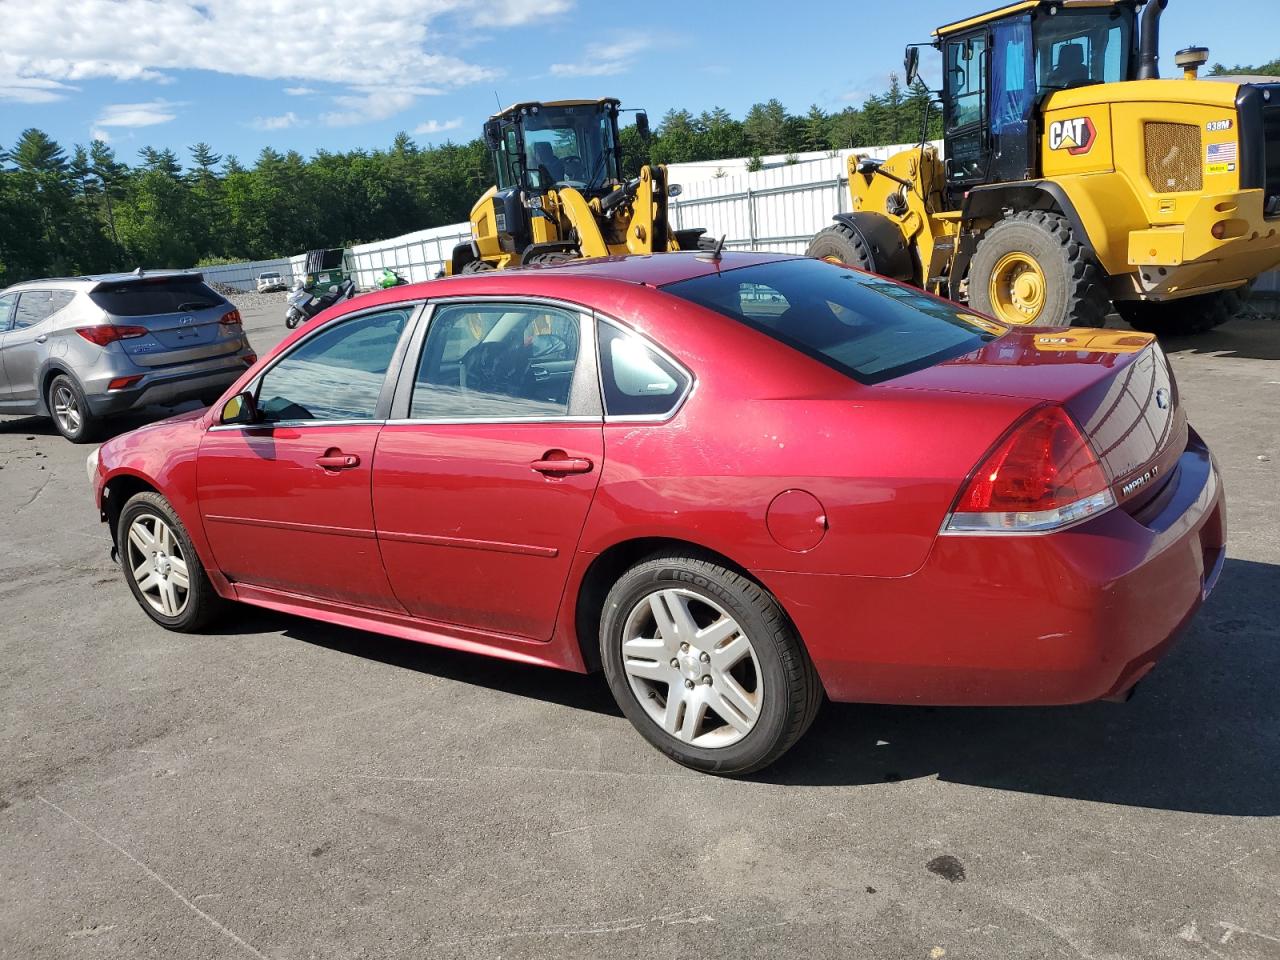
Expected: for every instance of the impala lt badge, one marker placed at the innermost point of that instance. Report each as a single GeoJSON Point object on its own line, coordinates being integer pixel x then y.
{"type": "Point", "coordinates": [1137, 483]}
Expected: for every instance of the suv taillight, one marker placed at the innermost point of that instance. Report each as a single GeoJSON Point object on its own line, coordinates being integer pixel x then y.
{"type": "Point", "coordinates": [106, 333]}
{"type": "Point", "coordinates": [230, 319]}
{"type": "Point", "coordinates": [1044, 475]}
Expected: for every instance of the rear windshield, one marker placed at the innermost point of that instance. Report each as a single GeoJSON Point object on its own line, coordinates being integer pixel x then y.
{"type": "Point", "coordinates": [155, 297]}
{"type": "Point", "coordinates": [866, 327]}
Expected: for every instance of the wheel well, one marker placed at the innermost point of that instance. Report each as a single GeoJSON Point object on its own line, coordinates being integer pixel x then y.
{"type": "Point", "coordinates": [47, 380]}
{"type": "Point", "coordinates": [989, 203]}
{"type": "Point", "coordinates": [119, 491]}
{"type": "Point", "coordinates": [611, 564]}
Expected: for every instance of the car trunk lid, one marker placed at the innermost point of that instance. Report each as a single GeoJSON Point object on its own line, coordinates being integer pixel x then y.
{"type": "Point", "coordinates": [182, 317]}
{"type": "Point", "coordinates": [1117, 385]}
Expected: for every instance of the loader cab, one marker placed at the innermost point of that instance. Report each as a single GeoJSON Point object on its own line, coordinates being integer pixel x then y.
{"type": "Point", "coordinates": [538, 147]}
{"type": "Point", "coordinates": [999, 69]}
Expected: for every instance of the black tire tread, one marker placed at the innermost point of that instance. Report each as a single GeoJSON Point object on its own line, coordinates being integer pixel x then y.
{"type": "Point", "coordinates": [1188, 316]}
{"type": "Point", "coordinates": [849, 247]}
{"type": "Point", "coordinates": [90, 426]}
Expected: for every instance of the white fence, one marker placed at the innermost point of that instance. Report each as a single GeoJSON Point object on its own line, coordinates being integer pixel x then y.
{"type": "Point", "coordinates": [778, 209]}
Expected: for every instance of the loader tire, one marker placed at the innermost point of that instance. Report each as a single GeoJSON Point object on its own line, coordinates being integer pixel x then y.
{"type": "Point", "coordinates": [841, 244]}
{"type": "Point", "coordinates": [1031, 269]}
{"type": "Point", "coordinates": [477, 266]}
{"type": "Point", "coordinates": [550, 258]}
{"type": "Point", "coordinates": [1186, 317]}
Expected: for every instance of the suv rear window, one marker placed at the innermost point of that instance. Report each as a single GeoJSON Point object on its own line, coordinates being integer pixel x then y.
{"type": "Point", "coordinates": [150, 298]}
{"type": "Point", "coordinates": [868, 328]}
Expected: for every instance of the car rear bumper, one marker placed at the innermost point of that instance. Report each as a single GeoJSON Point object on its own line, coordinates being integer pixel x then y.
{"type": "Point", "coordinates": [197, 381]}
{"type": "Point", "coordinates": [1064, 618]}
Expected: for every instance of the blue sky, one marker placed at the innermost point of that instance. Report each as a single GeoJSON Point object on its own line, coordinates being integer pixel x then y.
{"type": "Point", "coordinates": [324, 74]}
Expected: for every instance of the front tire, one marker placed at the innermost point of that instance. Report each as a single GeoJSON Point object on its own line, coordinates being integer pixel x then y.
{"type": "Point", "coordinates": [70, 410]}
{"type": "Point", "coordinates": [705, 664]}
{"type": "Point", "coordinates": [1031, 269]}
{"type": "Point", "coordinates": [161, 567]}
{"type": "Point", "coordinates": [1186, 317]}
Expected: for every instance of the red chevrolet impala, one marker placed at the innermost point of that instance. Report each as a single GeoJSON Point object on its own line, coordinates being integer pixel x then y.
{"type": "Point", "coordinates": [736, 485]}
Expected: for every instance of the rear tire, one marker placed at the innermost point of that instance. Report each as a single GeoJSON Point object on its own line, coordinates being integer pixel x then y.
{"type": "Point", "coordinates": [70, 410]}
{"type": "Point", "coordinates": [840, 244]}
{"type": "Point", "coordinates": [1188, 316]}
{"type": "Point", "coordinates": [477, 266]}
{"type": "Point", "coordinates": [763, 692]}
{"type": "Point", "coordinates": [1064, 285]}
{"type": "Point", "coordinates": [550, 258]}
{"type": "Point", "coordinates": [161, 567]}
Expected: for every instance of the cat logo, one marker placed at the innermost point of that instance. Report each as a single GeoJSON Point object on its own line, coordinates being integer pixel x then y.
{"type": "Point", "coordinates": [1074, 136]}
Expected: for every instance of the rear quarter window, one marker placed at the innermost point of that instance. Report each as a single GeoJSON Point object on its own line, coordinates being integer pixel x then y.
{"type": "Point", "coordinates": [156, 297]}
{"type": "Point", "coordinates": [868, 328]}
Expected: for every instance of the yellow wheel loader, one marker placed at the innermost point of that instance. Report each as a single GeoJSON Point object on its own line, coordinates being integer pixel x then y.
{"type": "Point", "coordinates": [560, 195]}
{"type": "Point", "coordinates": [1075, 178]}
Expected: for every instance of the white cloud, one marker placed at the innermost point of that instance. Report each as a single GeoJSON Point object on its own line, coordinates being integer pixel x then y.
{"type": "Point", "coordinates": [436, 126]}
{"type": "Point", "coordinates": [136, 114]}
{"type": "Point", "coordinates": [602, 60]}
{"type": "Point", "coordinates": [99, 134]}
{"type": "Point", "coordinates": [282, 122]}
{"type": "Point", "coordinates": [396, 48]}
{"type": "Point", "coordinates": [300, 91]}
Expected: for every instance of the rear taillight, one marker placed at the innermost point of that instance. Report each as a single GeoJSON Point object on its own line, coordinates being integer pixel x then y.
{"type": "Point", "coordinates": [231, 319]}
{"type": "Point", "coordinates": [250, 359]}
{"type": "Point", "coordinates": [1042, 476]}
{"type": "Point", "coordinates": [106, 333]}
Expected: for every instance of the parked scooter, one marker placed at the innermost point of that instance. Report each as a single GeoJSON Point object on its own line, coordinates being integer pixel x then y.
{"type": "Point", "coordinates": [302, 306]}
{"type": "Point", "coordinates": [391, 278]}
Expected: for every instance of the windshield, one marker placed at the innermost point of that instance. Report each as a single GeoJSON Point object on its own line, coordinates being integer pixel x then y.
{"type": "Point", "coordinates": [567, 146]}
{"type": "Point", "coordinates": [868, 328]}
{"type": "Point", "coordinates": [1079, 47]}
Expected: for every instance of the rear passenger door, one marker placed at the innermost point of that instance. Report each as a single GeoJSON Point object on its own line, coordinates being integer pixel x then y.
{"type": "Point", "coordinates": [484, 474]}
{"type": "Point", "coordinates": [25, 346]}
{"type": "Point", "coordinates": [7, 305]}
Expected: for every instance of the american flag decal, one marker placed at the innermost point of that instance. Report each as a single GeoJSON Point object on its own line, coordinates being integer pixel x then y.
{"type": "Point", "coordinates": [1222, 153]}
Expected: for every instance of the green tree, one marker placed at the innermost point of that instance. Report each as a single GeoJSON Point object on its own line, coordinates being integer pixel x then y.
{"type": "Point", "coordinates": [765, 128]}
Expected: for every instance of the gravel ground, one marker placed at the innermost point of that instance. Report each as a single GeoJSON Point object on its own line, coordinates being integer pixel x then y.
{"type": "Point", "coordinates": [284, 788]}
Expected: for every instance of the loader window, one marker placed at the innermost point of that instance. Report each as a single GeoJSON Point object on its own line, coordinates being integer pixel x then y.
{"type": "Point", "coordinates": [966, 81]}
{"type": "Point", "coordinates": [1077, 48]}
{"type": "Point", "coordinates": [570, 146]}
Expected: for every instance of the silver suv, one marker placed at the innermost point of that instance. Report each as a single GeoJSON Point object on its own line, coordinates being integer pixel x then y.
{"type": "Point", "coordinates": [82, 348]}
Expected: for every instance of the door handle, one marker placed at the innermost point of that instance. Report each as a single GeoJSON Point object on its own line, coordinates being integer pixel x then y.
{"type": "Point", "coordinates": [557, 462]}
{"type": "Point", "coordinates": [337, 460]}
{"type": "Point", "coordinates": [42, 338]}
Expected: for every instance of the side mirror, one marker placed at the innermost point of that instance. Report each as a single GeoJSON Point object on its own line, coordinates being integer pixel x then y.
{"type": "Point", "coordinates": [912, 65]}
{"type": "Point", "coordinates": [241, 408]}
{"type": "Point", "coordinates": [642, 125]}
{"type": "Point", "coordinates": [674, 190]}
{"type": "Point", "coordinates": [491, 134]}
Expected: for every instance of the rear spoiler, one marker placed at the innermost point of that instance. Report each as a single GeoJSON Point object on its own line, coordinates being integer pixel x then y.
{"type": "Point", "coordinates": [157, 276]}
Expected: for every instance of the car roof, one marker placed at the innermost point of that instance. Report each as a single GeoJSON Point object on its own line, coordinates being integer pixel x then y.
{"type": "Point", "coordinates": [657, 269]}
{"type": "Point", "coordinates": [94, 281]}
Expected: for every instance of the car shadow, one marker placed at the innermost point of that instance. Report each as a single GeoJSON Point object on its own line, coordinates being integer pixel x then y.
{"type": "Point", "coordinates": [1202, 735]}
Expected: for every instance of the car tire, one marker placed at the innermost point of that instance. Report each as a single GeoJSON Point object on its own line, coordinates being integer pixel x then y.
{"type": "Point", "coordinates": [1066, 286]}
{"type": "Point", "coordinates": [157, 558]}
{"type": "Point", "coordinates": [70, 410]}
{"type": "Point", "coordinates": [759, 692]}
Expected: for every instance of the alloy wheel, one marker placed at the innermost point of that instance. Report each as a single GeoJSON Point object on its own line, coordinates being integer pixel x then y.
{"type": "Point", "coordinates": [156, 563]}
{"type": "Point", "coordinates": [692, 668]}
{"type": "Point", "coordinates": [66, 407]}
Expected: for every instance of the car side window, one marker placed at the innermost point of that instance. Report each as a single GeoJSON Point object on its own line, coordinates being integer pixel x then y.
{"type": "Point", "coordinates": [637, 380]}
{"type": "Point", "coordinates": [337, 374]}
{"type": "Point", "coordinates": [37, 305]}
{"type": "Point", "coordinates": [6, 310]}
{"type": "Point", "coordinates": [496, 361]}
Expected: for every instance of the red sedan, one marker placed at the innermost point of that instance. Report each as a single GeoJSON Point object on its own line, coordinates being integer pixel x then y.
{"type": "Point", "coordinates": [734, 484]}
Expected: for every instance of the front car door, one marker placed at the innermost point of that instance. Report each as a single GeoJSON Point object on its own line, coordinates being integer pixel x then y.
{"type": "Point", "coordinates": [484, 475]}
{"type": "Point", "coordinates": [285, 500]}
{"type": "Point", "coordinates": [24, 346]}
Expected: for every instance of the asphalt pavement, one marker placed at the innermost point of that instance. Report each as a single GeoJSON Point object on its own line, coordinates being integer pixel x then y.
{"type": "Point", "coordinates": [289, 789]}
